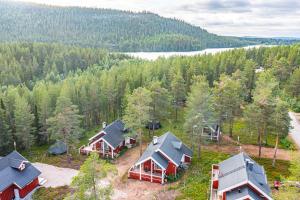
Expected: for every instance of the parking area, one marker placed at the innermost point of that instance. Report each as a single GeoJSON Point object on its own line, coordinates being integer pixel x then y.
{"type": "Point", "coordinates": [56, 176]}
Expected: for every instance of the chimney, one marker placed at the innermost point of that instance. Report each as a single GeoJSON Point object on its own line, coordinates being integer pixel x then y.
{"type": "Point", "coordinates": [155, 140]}
{"type": "Point", "coordinates": [251, 166]}
{"type": "Point", "coordinates": [104, 125]}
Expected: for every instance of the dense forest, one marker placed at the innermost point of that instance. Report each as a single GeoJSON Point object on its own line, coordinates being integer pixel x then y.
{"type": "Point", "coordinates": [110, 29]}
{"type": "Point", "coordinates": [94, 86]}
{"type": "Point", "coordinates": [27, 63]}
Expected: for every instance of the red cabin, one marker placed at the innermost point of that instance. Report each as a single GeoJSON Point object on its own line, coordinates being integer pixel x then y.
{"type": "Point", "coordinates": [110, 141]}
{"type": "Point", "coordinates": [18, 177]}
{"type": "Point", "coordinates": [239, 177]}
{"type": "Point", "coordinates": [164, 157]}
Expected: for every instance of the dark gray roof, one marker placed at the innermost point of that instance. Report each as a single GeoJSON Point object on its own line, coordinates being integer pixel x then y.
{"type": "Point", "coordinates": [244, 191]}
{"type": "Point", "coordinates": [235, 170]}
{"type": "Point", "coordinates": [58, 148]}
{"type": "Point", "coordinates": [114, 133]}
{"type": "Point", "coordinates": [170, 146]}
{"type": "Point", "coordinates": [10, 175]}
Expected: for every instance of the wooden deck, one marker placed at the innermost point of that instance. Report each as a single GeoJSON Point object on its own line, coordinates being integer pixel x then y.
{"type": "Point", "coordinates": [156, 178]}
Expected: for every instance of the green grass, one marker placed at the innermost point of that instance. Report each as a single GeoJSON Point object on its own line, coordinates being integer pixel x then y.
{"type": "Point", "coordinates": [196, 181]}
{"type": "Point", "coordinates": [281, 168]}
{"type": "Point", "coordinates": [246, 136]}
{"type": "Point", "coordinates": [57, 193]}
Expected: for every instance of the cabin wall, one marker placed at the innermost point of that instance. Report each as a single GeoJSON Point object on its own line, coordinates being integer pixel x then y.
{"type": "Point", "coordinates": [28, 188]}
{"type": "Point", "coordinates": [171, 169]}
{"type": "Point", "coordinates": [96, 138]}
{"type": "Point", "coordinates": [98, 146]}
{"type": "Point", "coordinates": [118, 149]}
{"type": "Point", "coordinates": [8, 193]}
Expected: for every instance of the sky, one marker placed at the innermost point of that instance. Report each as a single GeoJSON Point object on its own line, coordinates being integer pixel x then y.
{"type": "Point", "coordinates": [264, 18]}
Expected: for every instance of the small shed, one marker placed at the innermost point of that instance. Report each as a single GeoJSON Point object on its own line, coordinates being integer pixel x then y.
{"type": "Point", "coordinates": [153, 125]}
{"type": "Point", "coordinates": [58, 148]}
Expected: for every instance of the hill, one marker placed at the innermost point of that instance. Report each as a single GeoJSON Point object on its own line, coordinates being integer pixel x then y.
{"type": "Point", "coordinates": [111, 29]}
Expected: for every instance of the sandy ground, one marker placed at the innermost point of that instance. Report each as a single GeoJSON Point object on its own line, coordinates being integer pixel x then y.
{"type": "Point", "coordinates": [56, 176]}
{"type": "Point", "coordinates": [251, 150]}
{"type": "Point", "coordinates": [135, 189]}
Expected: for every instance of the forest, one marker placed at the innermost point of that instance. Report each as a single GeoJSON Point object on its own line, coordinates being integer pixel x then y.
{"type": "Point", "coordinates": [40, 98]}
{"type": "Point", "coordinates": [110, 29]}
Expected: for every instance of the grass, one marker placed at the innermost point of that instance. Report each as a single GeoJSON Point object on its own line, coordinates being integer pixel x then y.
{"type": "Point", "coordinates": [57, 193]}
{"type": "Point", "coordinates": [40, 153]}
{"type": "Point", "coordinates": [246, 136]}
{"type": "Point", "coordinates": [196, 181]}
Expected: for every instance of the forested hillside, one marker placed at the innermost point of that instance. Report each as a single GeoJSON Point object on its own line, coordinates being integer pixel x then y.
{"type": "Point", "coordinates": [110, 29]}
{"type": "Point", "coordinates": [98, 93]}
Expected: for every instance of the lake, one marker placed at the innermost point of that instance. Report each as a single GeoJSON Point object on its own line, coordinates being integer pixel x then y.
{"type": "Point", "coordinates": [155, 55]}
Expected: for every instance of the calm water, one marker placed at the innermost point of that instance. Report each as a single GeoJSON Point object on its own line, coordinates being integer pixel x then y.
{"type": "Point", "coordinates": [155, 55]}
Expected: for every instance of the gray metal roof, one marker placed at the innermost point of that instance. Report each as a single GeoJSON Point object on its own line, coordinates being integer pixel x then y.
{"type": "Point", "coordinates": [160, 159]}
{"type": "Point", "coordinates": [170, 146]}
{"type": "Point", "coordinates": [235, 170]}
{"type": "Point", "coordinates": [114, 133]}
{"type": "Point", "coordinates": [10, 175]}
{"type": "Point", "coordinates": [242, 192]}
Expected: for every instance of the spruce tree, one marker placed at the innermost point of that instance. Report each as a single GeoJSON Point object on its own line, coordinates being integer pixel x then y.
{"type": "Point", "coordinates": [24, 120]}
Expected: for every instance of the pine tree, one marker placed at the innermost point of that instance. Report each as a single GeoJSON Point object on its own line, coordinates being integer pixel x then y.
{"type": "Point", "coordinates": [281, 123]}
{"type": "Point", "coordinates": [178, 91]}
{"type": "Point", "coordinates": [160, 102]}
{"type": "Point", "coordinates": [137, 111]}
{"type": "Point", "coordinates": [199, 111]}
{"type": "Point", "coordinates": [259, 114]}
{"type": "Point", "coordinates": [65, 124]}
{"type": "Point", "coordinates": [228, 99]}
{"type": "Point", "coordinates": [5, 133]}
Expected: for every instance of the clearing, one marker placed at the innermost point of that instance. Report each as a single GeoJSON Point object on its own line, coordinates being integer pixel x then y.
{"type": "Point", "coordinates": [134, 189]}
{"type": "Point", "coordinates": [56, 176]}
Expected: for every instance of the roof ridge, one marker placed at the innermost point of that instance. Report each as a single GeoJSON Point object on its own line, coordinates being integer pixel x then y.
{"type": "Point", "coordinates": [163, 137]}
{"type": "Point", "coordinates": [244, 161]}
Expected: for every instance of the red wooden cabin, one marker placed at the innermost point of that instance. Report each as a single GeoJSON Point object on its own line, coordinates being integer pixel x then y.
{"type": "Point", "coordinates": [239, 178]}
{"type": "Point", "coordinates": [164, 156]}
{"type": "Point", "coordinates": [109, 141]}
{"type": "Point", "coordinates": [18, 177]}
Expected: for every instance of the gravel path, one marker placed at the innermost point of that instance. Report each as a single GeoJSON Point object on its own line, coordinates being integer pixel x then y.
{"type": "Point", "coordinates": [56, 176]}
{"type": "Point", "coordinates": [295, 130]}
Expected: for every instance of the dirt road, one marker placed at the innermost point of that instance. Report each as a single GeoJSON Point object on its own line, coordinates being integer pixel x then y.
{"type": "Point", "coordinates": [251, 150]}
{"type": "Point", "coordinates": [295, 130]}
